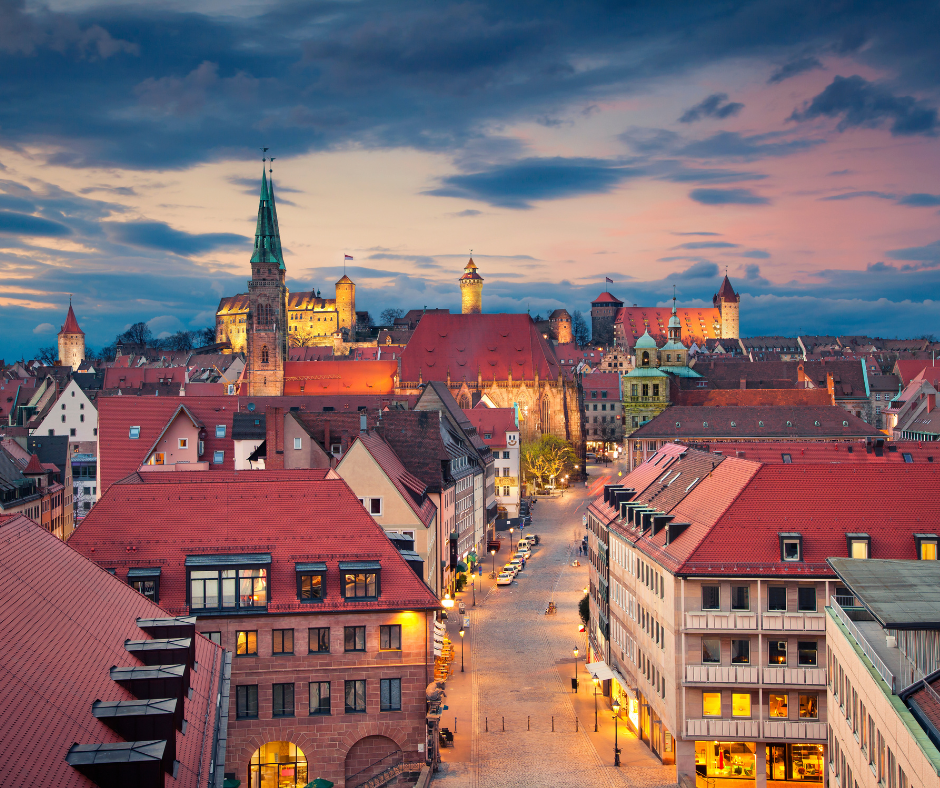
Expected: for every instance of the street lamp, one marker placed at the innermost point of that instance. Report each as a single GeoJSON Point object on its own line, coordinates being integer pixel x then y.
{"type": "Point", "coordinates": [473, 587]}
{"type": "Point", "coordinates": [493, 553]}
{"type": "Point", "coordinates": [575, 652]}
{"type": "Point", "coordinates": [461, 649]}
{"type": "Point", "coordinates": [597, 681]}
{"type": "Point", "coordinates": [447, 601]}
{"type": "Point", "coordinates": [616, 707]}
{"type": "Point", "coordinates": [510, 538]}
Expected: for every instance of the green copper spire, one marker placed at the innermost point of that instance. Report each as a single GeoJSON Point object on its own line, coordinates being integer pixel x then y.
{"type": "Point", "coordinates": [267, 235]}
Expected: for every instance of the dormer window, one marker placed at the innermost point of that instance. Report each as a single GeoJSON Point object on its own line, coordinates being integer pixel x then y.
{"type": "Point", "coordinates": [360, 579]}
{"type": "Point", "coordinates": [219, 430]}
{"type": "Point", "coordinates": [926, 546]}
{"type": "Point", "coordinates": [222, 583]}
{"type": "Point", "coordinates": [858, 545]}
{"type": "Point", "coordinates": [791, 547]}
{"type": "Point", "coordinates": [311, 581]}
{"type": "Point", "coordinates": [145, 581]}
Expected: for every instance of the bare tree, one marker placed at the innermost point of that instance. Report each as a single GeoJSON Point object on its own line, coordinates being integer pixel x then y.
{"type": "Point", "coordinates": [139, 334]}
{"type": "Point", "coordinates": [579, 328]}
{"type": "Point", "coordinates": [181, 341]}
{"type": "Point", "coordinates": [204, 336]}
{"type": "Point", "coordinates": [48, 355]}
{"type": "Point", "coordinates": [390, 315]}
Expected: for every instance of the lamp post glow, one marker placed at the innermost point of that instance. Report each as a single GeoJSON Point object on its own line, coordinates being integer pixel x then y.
{"type": "Point", "coordinates": [493, 553]}
{"type": "Point", "coordinates": [616, 707]}
{"type": "Point", "coordinates": [461, 649]}
{"type": "Point", "coordinates": [447, 601]}
{"type": "Point", "coordinates": [596, 682]}
{"type": "Point", "coordinates": [575, 652]}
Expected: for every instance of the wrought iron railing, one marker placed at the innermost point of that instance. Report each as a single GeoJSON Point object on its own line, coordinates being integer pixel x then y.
{"type": "Point", "coordinates": [364, 775]}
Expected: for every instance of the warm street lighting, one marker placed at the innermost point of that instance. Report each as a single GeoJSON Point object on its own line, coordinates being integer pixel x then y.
{"type": "Point", "coordinates": [461, 649]}
{"type": "Point", "coordinates": [575, 652]}
{"type": "Point", "coordinates": [616, 707]}
{"type": "Point", "coordinates": [447, 601]}
{"type": "Point", "coordinates": [597, 681]}
{"type": "Point", "coordinates": [493, 553]}
{"type": "Point", "coordinates": [473, 587]}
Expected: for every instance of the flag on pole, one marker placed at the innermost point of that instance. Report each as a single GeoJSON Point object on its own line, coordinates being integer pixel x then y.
{"type": "Point", "coordinates": [348, 257]}
{"type": "Point", "coordinates": [606, 277]}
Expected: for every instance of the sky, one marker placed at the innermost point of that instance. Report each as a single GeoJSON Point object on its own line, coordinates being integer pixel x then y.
{"type": "Point", "coordinates": [790, 143]}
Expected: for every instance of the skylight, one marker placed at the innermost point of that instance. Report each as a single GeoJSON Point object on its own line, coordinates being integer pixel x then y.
{"type": "Point", "coordinates": [692, 483]}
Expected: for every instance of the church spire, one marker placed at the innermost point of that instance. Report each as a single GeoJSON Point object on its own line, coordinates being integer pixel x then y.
{"type": "Point", "coordinates": [267, 235]}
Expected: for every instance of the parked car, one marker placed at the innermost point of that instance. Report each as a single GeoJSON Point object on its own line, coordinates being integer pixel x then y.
{"type": "Point", "coordinates": [524, 550]}
{"type": "Point", "coordinates": [504, 578]}
{"type": "Point", "coordinates": [517, 564]}
{"type": "Point", "coordinates": [590, 457]}
{"type": "Point", "coordinates": [511, 568]}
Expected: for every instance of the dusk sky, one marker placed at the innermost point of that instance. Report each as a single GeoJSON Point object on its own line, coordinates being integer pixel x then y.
{"type": "Point", "coordinates": [793, 142]}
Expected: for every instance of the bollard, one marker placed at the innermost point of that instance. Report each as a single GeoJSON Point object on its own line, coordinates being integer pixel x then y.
{"type": "Point", "coordinates": [553, 723]}
{"type": "Point", "coordinates": [575, 725]}
{"type": "Point", "coordinates": [486, 721]}
{"type": "Point", "coordinates": [528, 721]}
{"type": "Point", "coordinates": [504, 724]}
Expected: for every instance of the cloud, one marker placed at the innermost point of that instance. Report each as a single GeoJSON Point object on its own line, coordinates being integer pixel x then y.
{"type": "Point", "coordinates": [160, 236]}
{"type": "Point", "coordinates": [863, 104]}
{"type": "Point", "coordinates": [706, 245]}
{"type": "Point", "coordinates": [929, 253]}
{"type": "Point", "coordinates": [715, 106]}
{"type": "Point", "coordinates": [44, 328]}
{"type": "Point", "coordinates": [23, 224]}
{"type": "Point", "coordinates": [854, 195]}
{"type": "Point", "coordinates": [920, 200]}
{"type": "Point", "coordinates": [727, 197]}
{"type": "Point", "coordinates": [519, 184]}
{"type": "Point", "coordinates": [467, 213]}
{"type": "Point", "coordinates": [701, 270]}
{"type": "Point", "coordinates": [700, 175]}
{"type": "Point", "coordinates": [732, 145]}
{"type": "Point", "coordinates": [697, 233]}
{"type": "Point", "coordinates": [756, 254]}
{"type": "Point", "coordinates": [794, 67]}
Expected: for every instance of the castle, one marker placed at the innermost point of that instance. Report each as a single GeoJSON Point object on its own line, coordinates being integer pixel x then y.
{"type": "Point", "coordinates": [71, 342]}
{"type": "Point", "coordinates": [614, 324]}
{"type": "Point", "coordinates": [309, 318]}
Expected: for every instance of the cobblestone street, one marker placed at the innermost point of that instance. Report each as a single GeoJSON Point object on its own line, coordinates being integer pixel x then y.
{"type": "Point", "coordinates": [517, 683]}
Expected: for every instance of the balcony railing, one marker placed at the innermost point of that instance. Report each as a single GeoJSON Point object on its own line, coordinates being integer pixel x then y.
{"type": "Point", "coordinates": [723, 729]}
{"type": "Point", "coordinates": [800, 676]}
{"type": "Point", "coordinates": [870, 652]}
{"type": "Point", "coordinates": [773, 620]}
{"type": "Point", "coordinates": [784, 729]}
{"type": "Point", "coordinates": [722, 674]}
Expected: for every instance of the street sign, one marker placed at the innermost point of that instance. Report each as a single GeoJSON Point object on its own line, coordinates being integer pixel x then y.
{"type": "Point", "coordinates": [583, 519]}
{"type": "Point", "coordinates": [466, 622]}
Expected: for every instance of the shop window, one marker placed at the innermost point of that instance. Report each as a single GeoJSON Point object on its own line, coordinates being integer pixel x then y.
{"type": "Point", "coordinates": [727, 759]}
{"type": "Point", "coordinates": [806, 599]}
{"type": "Point", "coordinates": [319, 697]}
{"type": "Point", "coordinates": [809, 706]}
{"type": "Point", "coordinates": [740, 652]}
{"type": "Point", "coordinates": [283, 700]}
{"type": "Point", "coordinates": [806, 762]}
{"type": "Point", "coordinates": [711, 650]}
{"type": "Point", "coordinates": [282, 641]}
{"type": "Point", "coordinates": [858, 545]}
{"type": "Point", "coordinates": [246, 702]}
{"type": "Point", "coordinates": [318, 640]}
{"type": "Point", "coordinates": [278, 763]}
{"type": "Point", "coordinates": [777, 598]}
{"type": "Point", "coordinates": [390, 693]}
{"type": "Point", "coordinates": [778, 705]}
{"type": "Point", "coordinates": [355, 697]}
{"type": "Point", "coordinates": [246, 643]}
{"type": "Point", "coordinates": [710, 598]}
{"type": "Point", "coordinates": [791, 547]}
{"type": "Point", "coordinates": [354, 638]}
{"type": "Point", "coordinates": [777, 762]}
{"type": "Point", "coordinates": [740, 598]}
{"type": "Point", "coordinates": [390, 637]}
{"type": "Point", "coordinates": [711, 704]}
{"type": "Point", "coordinates": [741, 704]}
{"type": "Point", "coordinates": [807, 652]}
{"type": "Point", "coordinates": [926, 546]}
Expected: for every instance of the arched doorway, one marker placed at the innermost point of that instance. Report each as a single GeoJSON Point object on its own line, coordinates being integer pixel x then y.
{"type": "Point", "coordinates": [278, 764]}
{"type": "Point", "coordinates": [368, 757]}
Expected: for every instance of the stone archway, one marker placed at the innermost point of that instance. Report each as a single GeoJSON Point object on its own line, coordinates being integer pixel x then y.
{"type": "Point", "coordinates": [368, 757]}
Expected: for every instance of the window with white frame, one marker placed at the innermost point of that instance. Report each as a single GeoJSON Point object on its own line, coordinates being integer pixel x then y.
{"type": "Point", "coordinates": [373, 506]}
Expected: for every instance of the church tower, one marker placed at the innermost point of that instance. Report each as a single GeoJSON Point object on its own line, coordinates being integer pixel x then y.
{"type": "Point", "coordinates": [267, 302]}
{"type": "Point", "coordinates": [674, 352]}
{"type": "Point", "coordinates": [471, 290]}
{"type": "Point", "coordinates": [727, 302]}
{"type": "Point", "coordinates": [71, 342]}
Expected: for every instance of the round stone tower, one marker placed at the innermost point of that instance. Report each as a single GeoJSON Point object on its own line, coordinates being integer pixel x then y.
{"type": "Point", "coordinates": [346, 306]}
{"type": "Point", "coordinates": [560, 322]}
{"type": "Point", "coordinates": [471, 290]}
{"type": "Point", "coordinates": [71, 342]}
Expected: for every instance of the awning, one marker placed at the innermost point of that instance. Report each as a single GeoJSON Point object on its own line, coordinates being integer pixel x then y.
{"type": "Point", "coordinates": [600, 670]}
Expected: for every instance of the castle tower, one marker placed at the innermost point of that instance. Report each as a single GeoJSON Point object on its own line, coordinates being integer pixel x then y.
{"type": "Point", "coordinates": [674, 352]}
{"type": "Point", "coordinates": [471, 290]}
{"type": "Point", "coordinates": [560, 326]}
{"type": "Point", "coordinates": [727, 301]}
{"type": "Point", "coordinates": [267, 302]}
{"type": "Point", "coordinates": [346, 306]}
{"type": "Point", "coordinates": [71, 342]}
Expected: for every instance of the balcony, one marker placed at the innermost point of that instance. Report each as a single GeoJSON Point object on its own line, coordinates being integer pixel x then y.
{"type": "Point", "coordinates": [794, 731]}
{"type": "Point", "coordinates": [723, 729]}
{"type": "Point", "coordinates": [722, 674]}
{"type": "Point", "coordinates": [708, 619]}
{"type": "Point", "coordinates": [770, 621]}
{"type": "Point", "coordinates": [814, 677]}
{"type": "Point", "coordinates": [794, 622]}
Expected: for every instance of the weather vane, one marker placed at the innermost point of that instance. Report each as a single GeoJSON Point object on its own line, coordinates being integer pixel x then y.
{"type": "Point", "coordinates": [270, 164]}
{"type": "Point", "coordinates": [263, 157]}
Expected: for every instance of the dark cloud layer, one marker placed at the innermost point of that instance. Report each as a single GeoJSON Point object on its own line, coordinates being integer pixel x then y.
{"type": "Point", "coordinates": [715, 106]}
{"type": "Point", "coordinates": [727, 197]}
{"type": "Point", "coordinates": [794, 67]}
{"type": "Point", "coordinates": [162, 237]}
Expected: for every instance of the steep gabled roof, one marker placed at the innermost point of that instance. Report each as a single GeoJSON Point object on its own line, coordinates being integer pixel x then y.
{"type": "Point", "coordinates": [409, 486]}
{"type": "Point", "coordinates": [71, 324]}
{"type": "Point", "coordinates": [726, 291]}
{"type": "Point", "coordinates": [607, 298]}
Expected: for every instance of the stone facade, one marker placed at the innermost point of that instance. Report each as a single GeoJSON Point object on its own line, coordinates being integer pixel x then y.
{"type": "Point", "coordinates": [71, 342]}
{"type": "Point", "coordinates": [603, 315]}
{"type": "Point", "coordinates": [471, 290]}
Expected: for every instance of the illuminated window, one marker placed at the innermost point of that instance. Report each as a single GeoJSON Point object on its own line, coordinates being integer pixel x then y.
{"type": "Point", "coordinates": [360, 579]}
{"type": "Point", "coordinates": [778, 705]}
{"type": "Point", "coordinates": [215, 588]}
{"type": "Point", "coordinates": [246, 643]}
{"type": "Point", "coordinates": [926, 546]}
{"type": "Point", "coordinates": [777, 654]}
{"type": "Point", "coordinates": [711, 704]}
{"type": "Point", "coordinates": [146, 582]}
{"type": "Point", "coordinates": [807, 652]}
{"type": "Point", "coordinates": [184, 443]}
{"type": "Point", "coordinates": [741, 704]}
{"type": "Point", "coordinates": [809, 706]}
{"type": "Point", "coordinates": [858, 545]}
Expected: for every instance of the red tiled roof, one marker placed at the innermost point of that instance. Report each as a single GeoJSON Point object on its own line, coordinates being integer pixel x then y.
{"type": "Point", "coordinates": [340, 377]}
{"type": "Point", "coordinates": [607, 298]}
{"type": "Point", "coordinates": [306, 516]}
{"type": "Point", "coordinates": [57, 654]}
{"type": "Point", "coordinates": [317, 353]}
{"type": "Point", "coordinates": [699, 324]}
{"type": "Point", "coordinates": [601, 381]}
{"type": "Point", "coordinates": [410, 487]}
{"type": "Point", "coordinates": [811, 452]}
{"type": "Point", "coordinates": [908, 370]}
{"type": "Point", "coordinates": [205, 389]}
{"type": "Point", "coordinates": [754, 397]}
{"type": "Point", "coordinates": [120, 455]}
{"type": "Point", "coordinates": [71, 324]}
{"type": "Point", "coordinates": [465, 346]}
{"type": "Point", "coordinates": [118, 378]}
{"type": "Point", "coordinates": [33, 466]}
{"type": "Point", "coordinates": [495, 422]}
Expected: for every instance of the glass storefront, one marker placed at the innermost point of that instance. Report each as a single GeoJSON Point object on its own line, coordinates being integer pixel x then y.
{"type": "Point", "coordinates": [803, 762]}
{"type": "Point", "coordinates": [728, 759]}
{"type": "Point", "coordinates": [278, 764]}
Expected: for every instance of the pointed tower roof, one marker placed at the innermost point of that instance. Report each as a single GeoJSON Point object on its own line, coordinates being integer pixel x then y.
{"type": "Point", "coordinates": [33, 467]}
{"type": "Point", "coordinates": [674, 320]}
{"type": "Point", "coordinates": [345, 281]}
{"type": "Point", "coordinates": [470, 271]}
{"type": "Point", "coordinates": [726, 291]}
{"type": "Point", "coordinates": [71, 324]}
{"type": "Point", "coordinates": [267, 235]}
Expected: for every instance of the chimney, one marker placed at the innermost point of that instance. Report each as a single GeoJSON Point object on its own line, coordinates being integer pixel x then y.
{"type": "Point", "coordinates": [326, 436]}
{"type": "Point", "coordinates": [274, 437]}
{"type": "Point", "coordinates": [363, 424]}
{"type": "Point", "coordinates": [743, 383]}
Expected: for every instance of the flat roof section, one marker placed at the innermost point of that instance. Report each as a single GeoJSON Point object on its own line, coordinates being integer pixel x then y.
{"type": "Point", "coordinates": [899, 594]}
